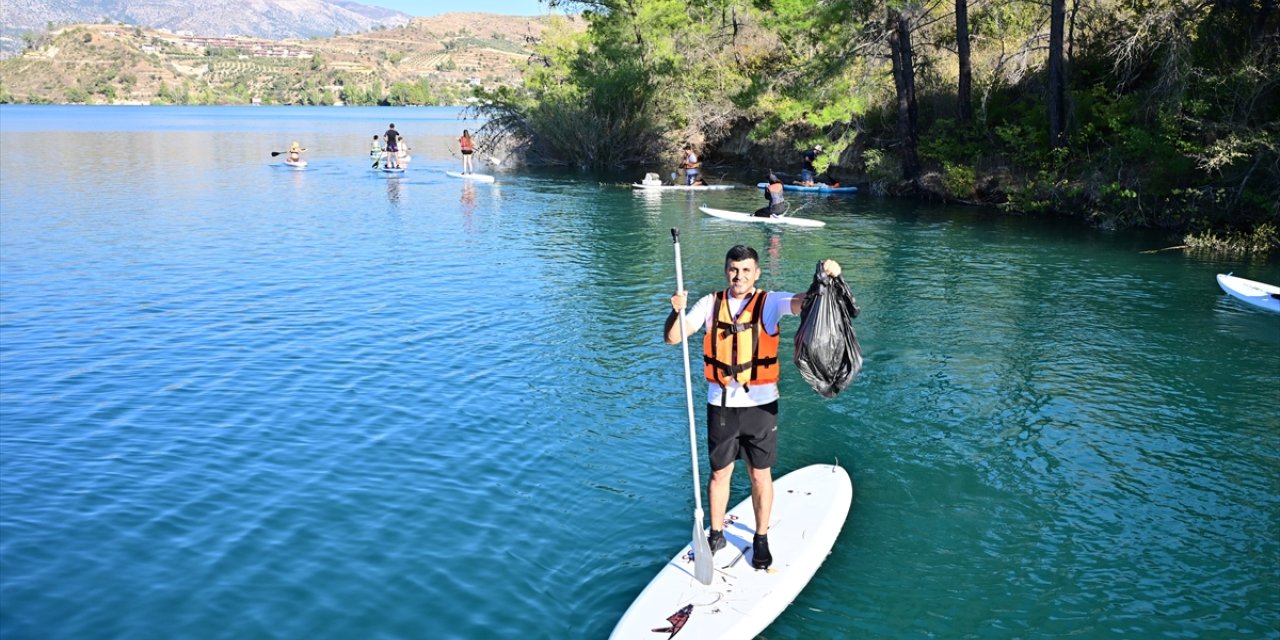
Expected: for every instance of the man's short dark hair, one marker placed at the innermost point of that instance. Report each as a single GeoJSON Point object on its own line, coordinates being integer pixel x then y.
{"type": "Point", "coordinates": [740, 252]}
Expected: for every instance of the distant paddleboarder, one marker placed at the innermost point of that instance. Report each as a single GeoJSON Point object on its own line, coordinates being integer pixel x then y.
{"type": "Point", "coordinates": [295, 151]}
{"type": "Point", "coordinates": [468, 147]}
{"type": "Point", "coordinates": [392, 147]}
{"type": "Point", "coordinates": [740, 349]}
{"type": "Point", "coordinates": [808, 171]}
{"type": "Point", "coordinates": [689, 162]}
{"type": "Point", "coordinates": [773, 195]}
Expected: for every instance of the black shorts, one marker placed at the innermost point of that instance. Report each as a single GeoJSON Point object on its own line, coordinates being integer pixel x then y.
{"type": "Point", "coordinates": [749, 433]}
{"type": "Point", "coordinates": [467, 152]}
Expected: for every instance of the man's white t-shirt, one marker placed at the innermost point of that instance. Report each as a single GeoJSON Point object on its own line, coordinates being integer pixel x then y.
{"type": "Point", "coordinates": [776, 305]}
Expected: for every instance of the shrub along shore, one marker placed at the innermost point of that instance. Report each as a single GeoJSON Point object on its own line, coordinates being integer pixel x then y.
{"type": "Point", "coordinates": [1121, 113]}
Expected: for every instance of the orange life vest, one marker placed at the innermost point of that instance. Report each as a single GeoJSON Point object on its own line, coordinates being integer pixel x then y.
{"type": "Point", "coordinates": [740, 348]}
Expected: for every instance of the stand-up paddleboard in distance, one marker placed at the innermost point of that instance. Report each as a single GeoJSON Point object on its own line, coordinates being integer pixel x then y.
{"type": "Point", "coordinates": [738, 216]}
{"type": "Point", "coordinates": [478, 177]}
{"type": "Point", "coordinates": [817, 188]}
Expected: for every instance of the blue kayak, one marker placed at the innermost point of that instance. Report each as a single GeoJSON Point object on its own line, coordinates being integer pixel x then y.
{"type": "Point", "coordinates": [817, 188]}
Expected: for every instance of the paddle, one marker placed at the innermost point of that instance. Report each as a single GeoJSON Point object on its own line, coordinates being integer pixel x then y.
{"type": "Point", "coordinates": [702, 568]}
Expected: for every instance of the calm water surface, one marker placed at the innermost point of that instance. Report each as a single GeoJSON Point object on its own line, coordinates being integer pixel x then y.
{"type": "Point", "coordinates": [243, 401]}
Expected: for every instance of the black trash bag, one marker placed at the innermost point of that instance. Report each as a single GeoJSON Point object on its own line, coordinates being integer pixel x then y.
{"type": "Point", "coordinates": [827, 351]}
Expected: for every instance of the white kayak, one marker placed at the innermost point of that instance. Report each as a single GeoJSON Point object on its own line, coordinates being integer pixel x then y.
{"type": "Point", "coordinates": [809, 509]}
{"type": "Point", "coordinates": [478, 177]}
{"type": "Point", "coordinates": [682, 187]}
{"type": "Point", "coordinates": [1258, 294]}
{"type": "Point", "coordinates": [747, 217]}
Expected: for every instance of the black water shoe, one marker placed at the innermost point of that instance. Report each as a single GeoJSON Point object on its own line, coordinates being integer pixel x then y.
{"type": "Point", "coordinates": [715, 540]}
{"type": "Point", "coordinates": [760, 556]}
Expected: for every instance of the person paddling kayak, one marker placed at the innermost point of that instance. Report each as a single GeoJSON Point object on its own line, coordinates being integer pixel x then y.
{"type": "Point", "coordinates": [740, 348]}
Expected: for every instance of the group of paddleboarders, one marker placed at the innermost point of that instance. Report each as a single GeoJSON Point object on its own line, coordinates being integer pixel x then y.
{"type": "Point", "coordinates": [692, 168]}
{"type": "Point", "coordinates": [387, 148]}
{"type": "Point", "coordinates": [742, 369]}
{"type": "Point", "coordinates": [391, 150]}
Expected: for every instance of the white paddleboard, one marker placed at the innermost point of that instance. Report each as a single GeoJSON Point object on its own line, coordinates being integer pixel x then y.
{"type": "Point", "coordinates": [1258, 294]}
{"type": "Point", "coordinates": [746, 217]}
{"type": "Point", "coordinates": [392, 169]}
{"type": "Point", "coordinates": [682, 187]}
{"type": "Point", "coordinates": [809, 508]}
{"type": "Point", "coordinates": [296, 164]}
{"type": "Point", "coordinates": [478, 177]}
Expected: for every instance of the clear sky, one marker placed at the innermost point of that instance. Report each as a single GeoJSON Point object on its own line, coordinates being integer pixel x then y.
{"type": "Point", "coordinates": [437, 7]}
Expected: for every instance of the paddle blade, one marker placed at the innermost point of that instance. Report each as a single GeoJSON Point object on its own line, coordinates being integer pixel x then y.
{"type": "Point", "coordinates": [276, 153]}
{"type": "Point", "coordinates": [702, 567]}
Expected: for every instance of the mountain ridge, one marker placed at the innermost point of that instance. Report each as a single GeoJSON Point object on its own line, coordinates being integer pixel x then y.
{"type": "Point", "coordinates": [276, 19]}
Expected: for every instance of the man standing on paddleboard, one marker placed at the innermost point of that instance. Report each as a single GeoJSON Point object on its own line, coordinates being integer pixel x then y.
{"type": "Point", "coordinates": [393, 146]}
{"type": "Point", "coordinates": [689, 162]}
{"type": "Point", "coordinates": [740, 352]}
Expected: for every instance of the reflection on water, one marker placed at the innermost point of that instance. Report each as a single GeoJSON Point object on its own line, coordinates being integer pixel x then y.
{"type": "Point", "coordinates": [239, 401]}
{"type": "Point", "coordinates": [468, 199]}
{"type": "Point", "coordinates": [394, 186]}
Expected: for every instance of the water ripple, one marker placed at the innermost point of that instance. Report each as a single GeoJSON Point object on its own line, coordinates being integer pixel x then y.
{"type": "Point", "coordinates": [416, 408]}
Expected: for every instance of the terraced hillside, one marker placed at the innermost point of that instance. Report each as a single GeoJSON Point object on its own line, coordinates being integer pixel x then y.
{"type": "Point", "coordinates": [437, 60]}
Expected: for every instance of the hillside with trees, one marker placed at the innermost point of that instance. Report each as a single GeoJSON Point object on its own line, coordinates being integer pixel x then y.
{"type": "Point", "coordinates": [1151, 113]}
{"type": "Point", "coordinates": [436, 60]}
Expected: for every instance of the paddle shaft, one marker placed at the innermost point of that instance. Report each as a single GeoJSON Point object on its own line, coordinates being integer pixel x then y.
{"type": "Point", "coordinates": [688, 384]}
{"type": "Point", "coordinates": [702, 550]}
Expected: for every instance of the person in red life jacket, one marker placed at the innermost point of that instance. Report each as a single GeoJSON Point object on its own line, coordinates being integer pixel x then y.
{"type": "Point", "coordinates": [468, 147]}
{"type": "Point", "coordinates": [740, 355]}
{"type": "Point", "coordinates": [393, 146]}
{"type": "Point", "coordinates": [773, 195]}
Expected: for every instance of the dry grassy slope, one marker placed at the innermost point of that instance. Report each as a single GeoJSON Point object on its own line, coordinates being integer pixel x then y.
{"type": "Point", "coordinates": [448, 50]}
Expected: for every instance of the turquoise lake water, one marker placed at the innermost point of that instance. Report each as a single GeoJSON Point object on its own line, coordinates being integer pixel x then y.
{"type": "Point", "coordinates": [243, 401]}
